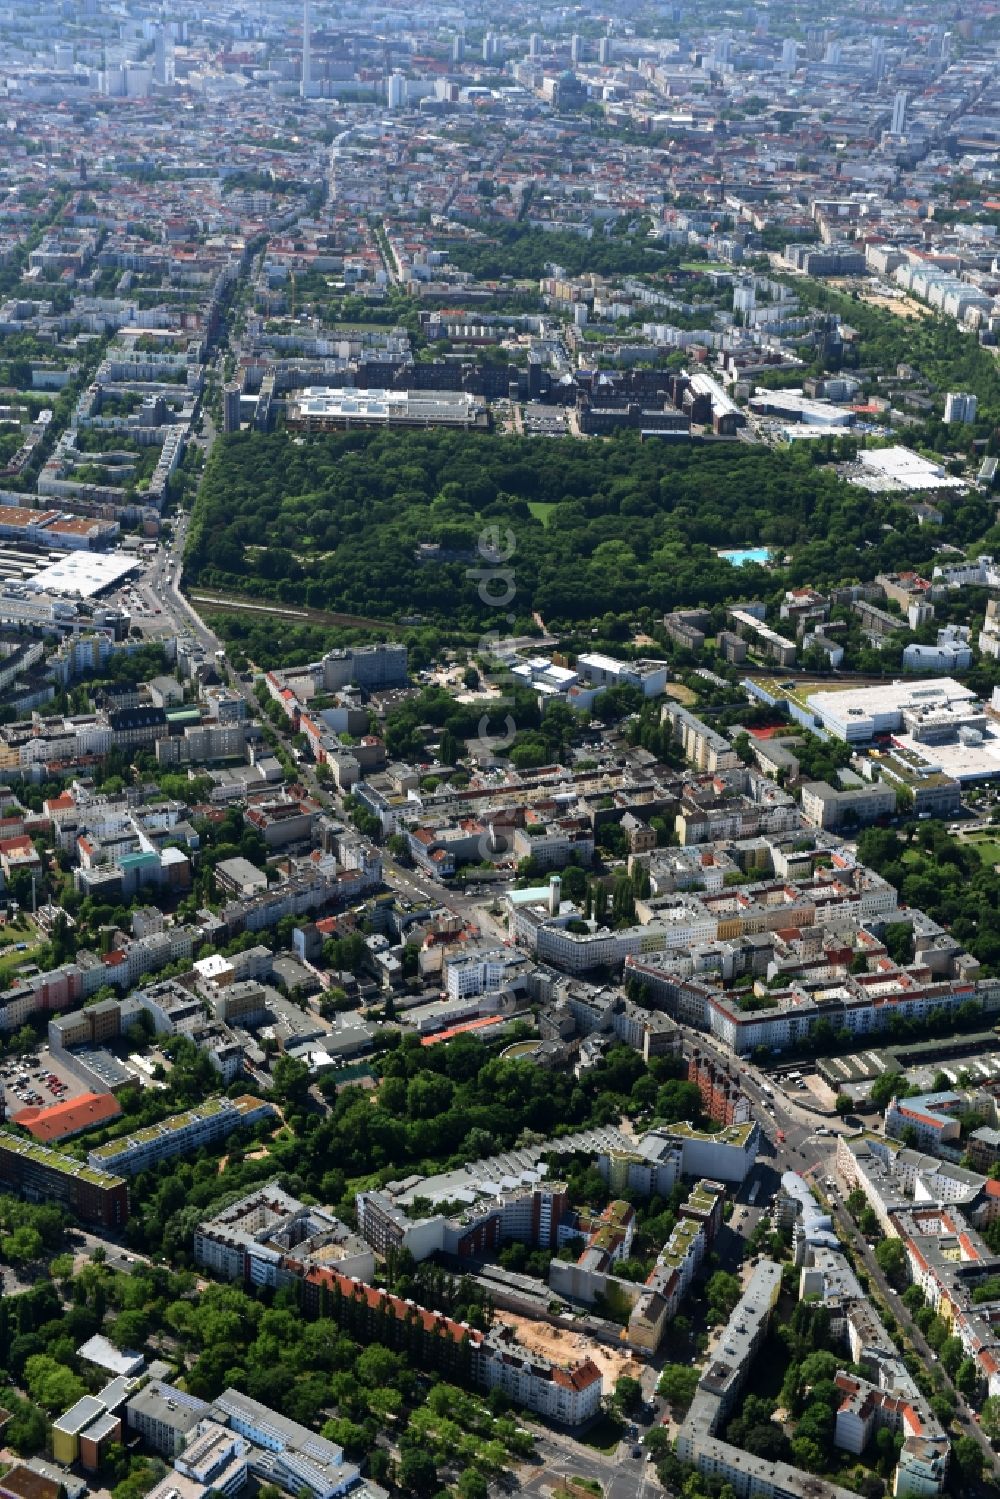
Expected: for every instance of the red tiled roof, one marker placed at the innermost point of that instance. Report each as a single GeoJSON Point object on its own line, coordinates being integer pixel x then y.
{"type": "Point", "coordinates": [483, 1023]}
{"type": "Point", "coordinates": [580, 1377]}
{"type": "Point", "coordinates": [375, 1297]}
{"type": "Point", "coordinates": [69, 1117]}
{"type": "Point", "coordinates": [16, 845]}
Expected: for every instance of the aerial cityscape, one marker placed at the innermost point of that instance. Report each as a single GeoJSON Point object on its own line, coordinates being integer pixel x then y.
{"type": "Point", "coordinates": [499, 750]}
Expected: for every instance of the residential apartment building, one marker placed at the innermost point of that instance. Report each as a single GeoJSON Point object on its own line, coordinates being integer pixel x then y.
{"type": "Point", "coordinates": [827, 807]}
{"type": "Point", "coordinates": [440, 848]}
{"type": "Point", "coordinates": [173, 1009]}
{"type": "Point", "coordinates": [372, 667]}
{"type": "Point", "coordinates": [703, 746]}
{"type": "Point", "coordinates": [202, 744]}
{"type": "Point", "coordinates": [737, 803]}
{"type": "Point", "coordinates": [716, 1396]}
{"type": "Point", "coordinates": [529, 1214]}
{"type": "Point", "coordinates": [721, 1096]}
{"type": "Point", "coordinates": [653, 1304]}
{"type": "Point", "coordinates": [951, 652]}
{"type": "Point", "coordinates": [181, 1134]}
{"type": "Point", "coordinates": [687, 627]}
{"type": "Point", "coordinates": [568, 1393]}
{"type": "Point", "coordinates": [927, 1121]}
{"type": "Point", "coordinates": [866, 1409]}
{"type": "Point", "coordinates": [762, 639]}
{"type": "Point", "coordinates": [554, 844]}
{"type": "Point", "coordinates": [842, 892]}
{"type": "Point", "coordinates": [282, 820]}
{"type": "Point", "coordinates": [267, 1237]}
{"type": "Point", "coordinates": [91, 1192]}
{"type": "Point", "coordinates": [933, 1207]}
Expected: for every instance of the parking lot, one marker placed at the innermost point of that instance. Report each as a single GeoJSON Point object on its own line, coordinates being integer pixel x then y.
{"type": "Point", "coordinates": [38, 1080]}
{"type": "Point", "coordinates": [140, 596]}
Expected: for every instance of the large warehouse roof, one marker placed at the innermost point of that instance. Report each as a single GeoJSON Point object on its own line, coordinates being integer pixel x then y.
{"type": "Point", "coordinates": [83, 574]}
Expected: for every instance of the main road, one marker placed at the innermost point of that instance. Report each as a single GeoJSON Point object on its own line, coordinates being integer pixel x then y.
{"type": "Point", "coordinates": [165, 576]}
{"type": "Point", "coordinates": [619, 1474]}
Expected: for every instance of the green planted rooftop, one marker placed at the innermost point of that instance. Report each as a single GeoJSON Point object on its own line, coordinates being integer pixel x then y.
{"type": "Point", "coordinates": [677, 1247]}
{"type": "Point", "coordinates": [207, 1110]}
{"type": "Point", "coordinates": [732, 1134]}
{"type": "Point", "coordinates": [56, 1161]}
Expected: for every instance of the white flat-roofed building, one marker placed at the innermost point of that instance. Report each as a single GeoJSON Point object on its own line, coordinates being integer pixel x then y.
{"type": "Point", "coordinates": [319, 409]}
{"type": "Point", "coordinates": [483, 972]}
{"type": "Point", "coordinates": [283, 1452]}
{"type": "Point", "coordinates": [594, 674]}
{"type": "Point", "coordinates": [119, 1361]}
{"type": "Point", "coordinates": [900, 468]}
{"type": "Point", "coordinates": [604, 671]}
{"type": "Point", "coordinates": [176, 1486]}
{"type": "Point", "coordinates": [963, 747]}
{"type": "Point", "coordinates": [83, 574]}
{"type": "Point", "coordinates": [216, 1458]}
{"type": "Point", "coordinates": [950, 654]}
{"type": "Point", "coordinates": [977, 572]}
{"type": "Point", "coordinates": [859, 714]}
{"type": "Point", "coordinates": [214, 969]}
{"type": "Point", "coordinates": [794, 406]}
{"type": "Point", "coordinates": [938, 725]}
{"type": "Point", "coordinates": [544, 676]}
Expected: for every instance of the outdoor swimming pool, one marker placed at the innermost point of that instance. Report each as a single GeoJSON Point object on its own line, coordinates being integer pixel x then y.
{"type": "Point", "coordinates": [744, 556]}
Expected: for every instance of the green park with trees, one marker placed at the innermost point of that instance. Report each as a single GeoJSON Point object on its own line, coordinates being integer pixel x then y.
{"type": "Point", "coordinates": [343, 523]}
{"type": "Point", "coordinates": [942, 875]}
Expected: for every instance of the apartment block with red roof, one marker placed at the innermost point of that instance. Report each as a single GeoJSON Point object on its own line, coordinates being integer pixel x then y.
{"type": "Point", "coordinates": [721, 1096]}
{"type": "Point", "coordinates": [569, 1393]}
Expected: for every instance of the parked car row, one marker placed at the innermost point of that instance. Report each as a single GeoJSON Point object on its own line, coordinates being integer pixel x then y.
{"type": "Point", "coordinates": [25, 1085]}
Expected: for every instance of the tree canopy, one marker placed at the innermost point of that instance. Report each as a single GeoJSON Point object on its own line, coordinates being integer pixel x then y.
{"type": "Point", "coordinates": [334, 523]}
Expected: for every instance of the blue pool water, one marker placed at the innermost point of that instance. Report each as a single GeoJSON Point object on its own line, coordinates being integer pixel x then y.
{"type": "Point", "coordinates": [743, 556]}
